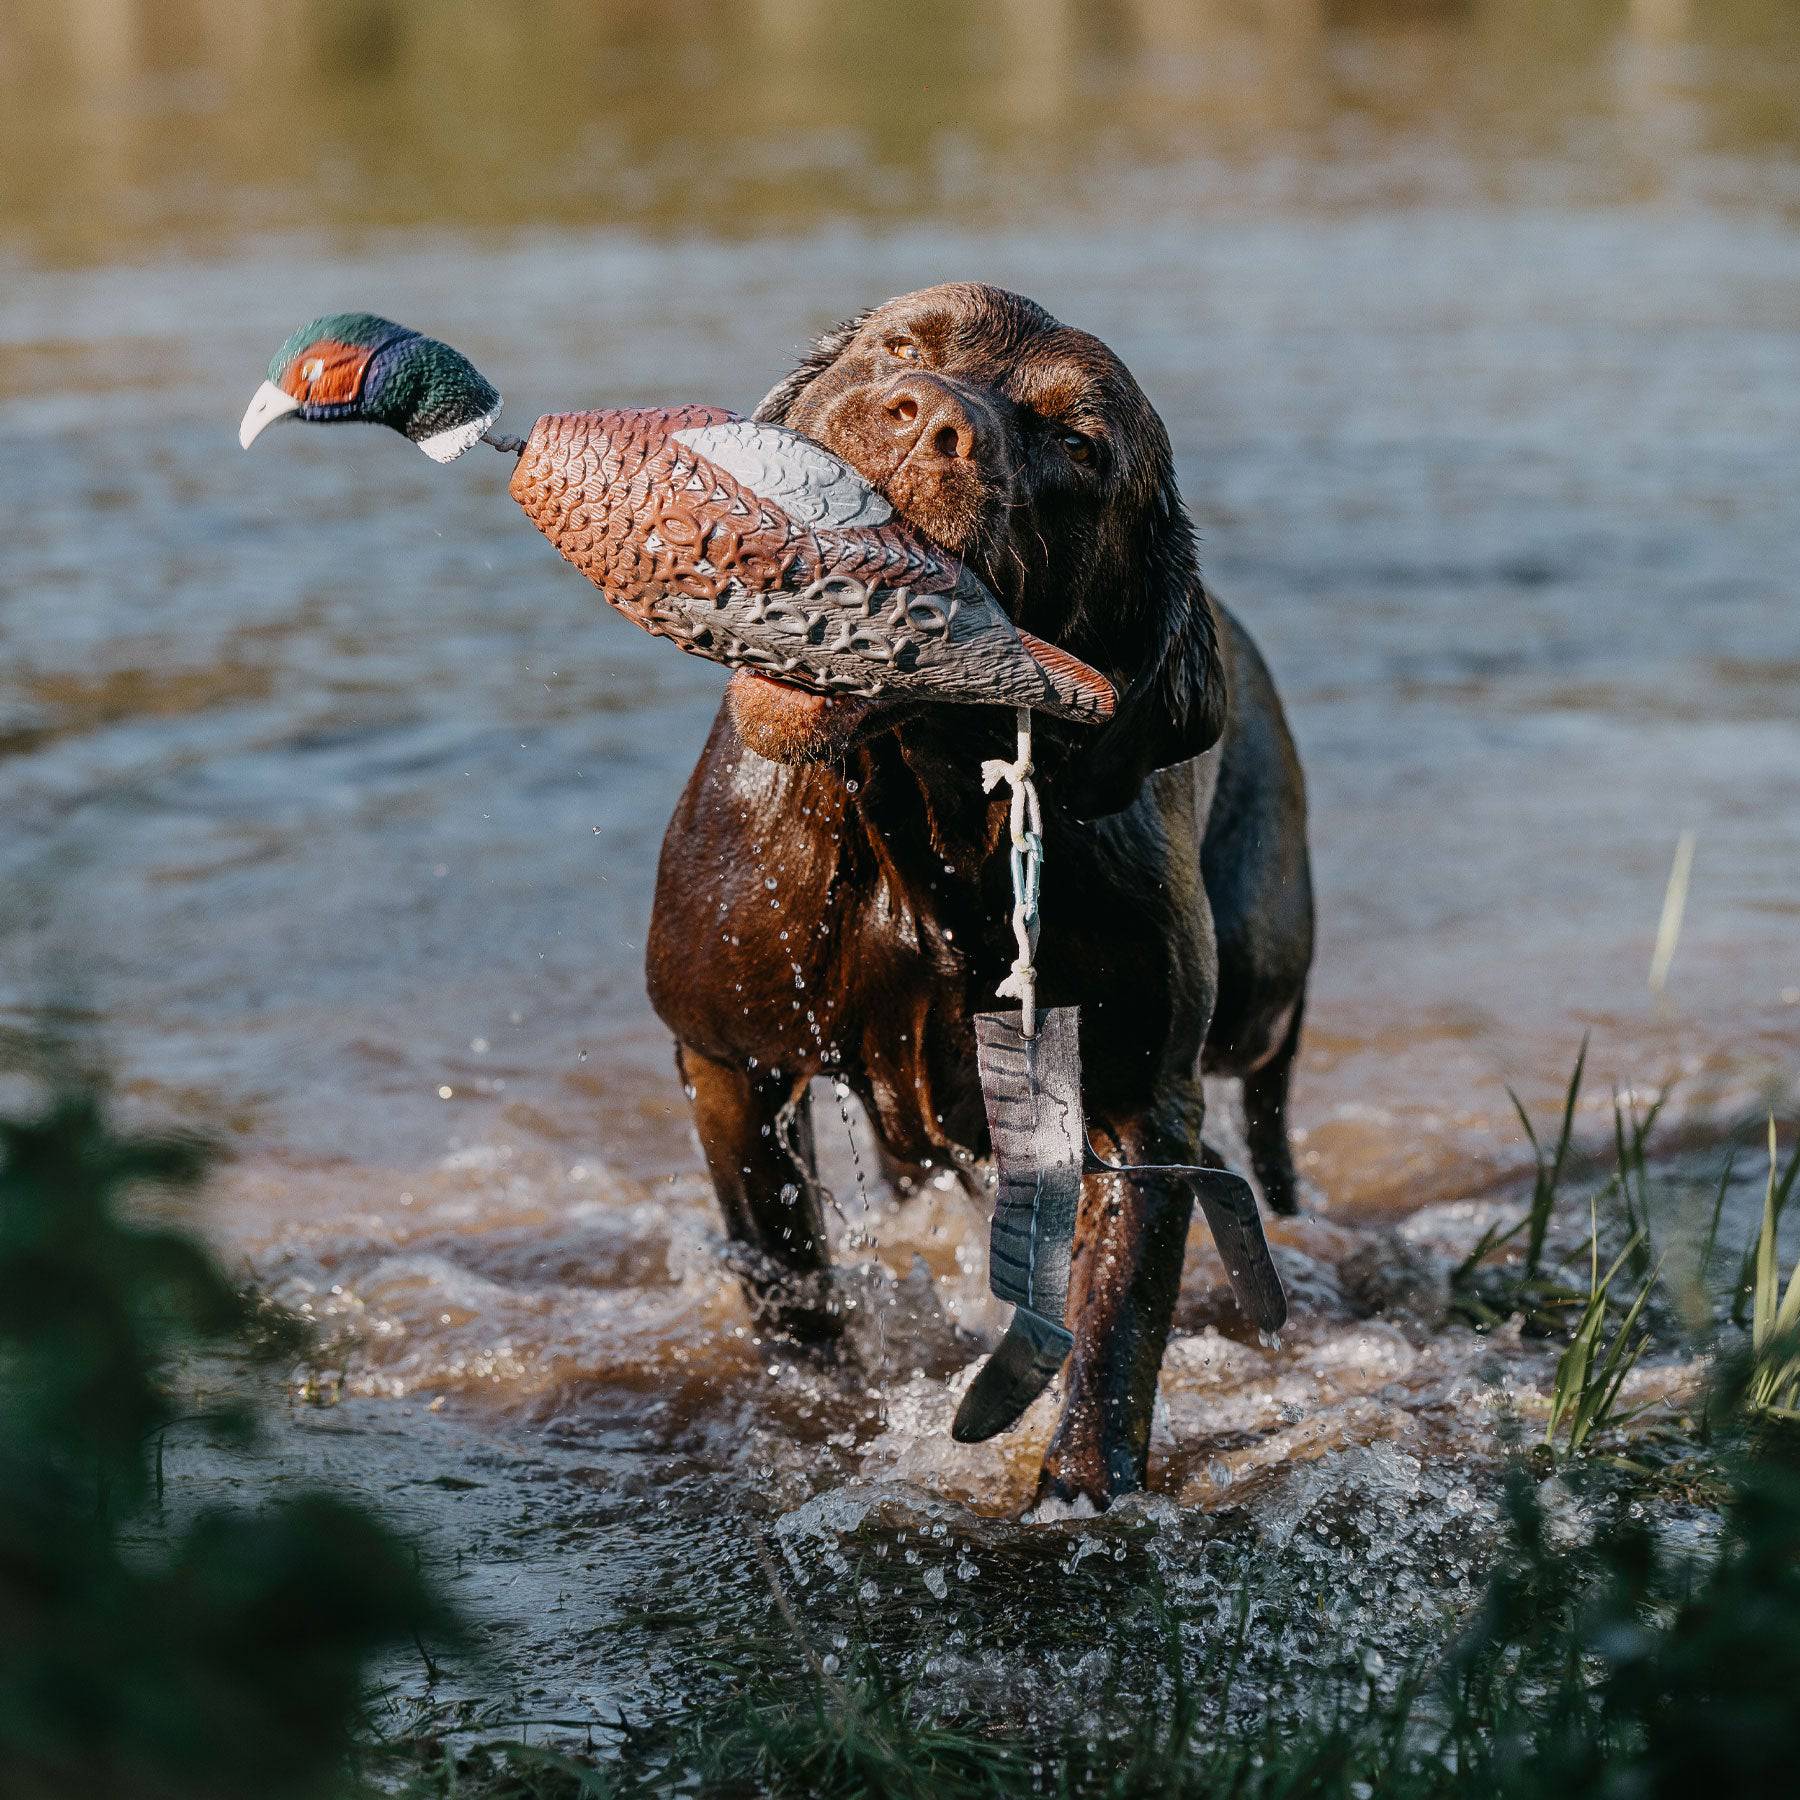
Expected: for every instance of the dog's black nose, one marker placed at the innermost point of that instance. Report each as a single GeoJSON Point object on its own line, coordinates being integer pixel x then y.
{"type": "Point", "coordinates": [930, 418]}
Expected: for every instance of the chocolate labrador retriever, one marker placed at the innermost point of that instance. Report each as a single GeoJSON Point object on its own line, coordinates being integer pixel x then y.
{"type": "Point", "coordinates": [830, 899]}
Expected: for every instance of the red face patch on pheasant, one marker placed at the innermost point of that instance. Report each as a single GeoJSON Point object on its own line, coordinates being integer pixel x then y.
{"type": "Point", "coordinates": [327, 373]}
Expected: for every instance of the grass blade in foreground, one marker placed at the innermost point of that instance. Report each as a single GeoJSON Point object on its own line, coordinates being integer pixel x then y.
{"type": "Point", "coordinates": [1584, 1395]}
{"type": "Point", "coordinates": [1775, 1317]}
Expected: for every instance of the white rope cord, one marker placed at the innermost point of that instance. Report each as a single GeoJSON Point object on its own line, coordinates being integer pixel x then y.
{"type": "Point", "coordinates": [1027, 856]}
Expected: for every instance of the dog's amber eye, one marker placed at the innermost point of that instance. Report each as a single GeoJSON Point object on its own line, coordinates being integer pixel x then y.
{"type": "Point", "coordinates": [904, 348]}
{"type": "Point", "coordinates": [1080, 449]}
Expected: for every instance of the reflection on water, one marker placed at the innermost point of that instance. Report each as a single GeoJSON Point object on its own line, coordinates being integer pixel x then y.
{"type": "Point", "coordinates": [334, 797]}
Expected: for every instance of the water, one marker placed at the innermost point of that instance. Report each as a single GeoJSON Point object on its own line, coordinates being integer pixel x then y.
{"type": "Point", "coordinates": [333, 798]}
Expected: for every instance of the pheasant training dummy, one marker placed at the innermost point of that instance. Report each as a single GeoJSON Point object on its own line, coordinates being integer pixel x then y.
{"type": "Point", "coordinates": [747, 544]}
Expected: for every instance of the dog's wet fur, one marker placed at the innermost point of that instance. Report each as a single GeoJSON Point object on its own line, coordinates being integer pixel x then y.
{"type": "Point", "coordinates": [1177, 899]}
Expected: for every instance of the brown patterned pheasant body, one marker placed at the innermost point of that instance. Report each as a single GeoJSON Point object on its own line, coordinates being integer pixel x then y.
{"type": "Point", "coordinates": [744, 543]}
{"type": "Point", "coordinates": [749, 544]}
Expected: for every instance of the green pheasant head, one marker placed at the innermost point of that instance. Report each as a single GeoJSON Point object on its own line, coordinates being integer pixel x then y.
{"type": "Point", "coordinates": [355, 367]}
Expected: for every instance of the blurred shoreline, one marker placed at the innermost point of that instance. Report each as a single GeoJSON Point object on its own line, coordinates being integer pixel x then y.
{"type": "Point", "coordinates": [129, 126]}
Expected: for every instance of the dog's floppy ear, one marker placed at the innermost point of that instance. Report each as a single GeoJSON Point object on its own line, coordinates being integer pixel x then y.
{"type": "Point", "coordinates": [826, 349]}
{"type": "Point", "coordinates": [1161, 647]}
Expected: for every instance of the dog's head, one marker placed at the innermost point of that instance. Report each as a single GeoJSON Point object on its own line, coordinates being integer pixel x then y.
{"type": "Point", "coordinates": [1027, 448]}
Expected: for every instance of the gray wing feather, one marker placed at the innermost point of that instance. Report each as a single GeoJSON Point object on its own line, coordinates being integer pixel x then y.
{"type": "Point", "coordinates": [807, 482]}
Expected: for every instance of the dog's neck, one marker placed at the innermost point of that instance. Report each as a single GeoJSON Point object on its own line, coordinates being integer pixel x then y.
{"type": "Point", "coordinates": [924, 786]}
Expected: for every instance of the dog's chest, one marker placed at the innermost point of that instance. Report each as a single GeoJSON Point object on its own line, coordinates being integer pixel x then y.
{"type": "Point", "coordinates": [907, 976]}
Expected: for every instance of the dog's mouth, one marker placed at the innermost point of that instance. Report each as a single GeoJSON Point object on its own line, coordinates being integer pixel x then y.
{"type": "Point", "coordinates": [963, 507]}
{"type": "Point", "coordinates": [789, 724]}
{"type": "Point", "coordinates": [972, 520]}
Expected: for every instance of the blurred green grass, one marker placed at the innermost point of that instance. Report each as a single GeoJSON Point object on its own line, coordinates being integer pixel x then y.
{"type": "Point", "coordinates": [227, 1657]}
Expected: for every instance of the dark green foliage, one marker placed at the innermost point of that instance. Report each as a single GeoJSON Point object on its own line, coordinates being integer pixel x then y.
{"type": "Point", "coordinates": [88, 1301]}
{"type": "Point", "coordinates": [219, 1661]}
{"type": "Point", "coordinates": [1756, 1272]}
{"type": "Point", "coordinates": [499, 1772]}
{"type": "Point", "coordinates": [1590, 1374]}
{"type": "Point", "coordinates": [1714, 1694]}
{"type": "Point", "coordinates": [1634, 1671]}
{"type": "Point", "coordinates": [1548, 1169]}
{"type": "Point", "coordinates": [857, 1740]}
{"type": "Point", "coordinates": [1549, 1298]}
{"type": "Point", "coordinates": [1631, 1177]}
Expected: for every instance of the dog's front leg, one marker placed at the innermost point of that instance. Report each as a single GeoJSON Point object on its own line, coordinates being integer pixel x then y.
{"type": "Point", "coordinates": [1130, 1238]}
{"type": "Point", "coordinates": [757, 1138]}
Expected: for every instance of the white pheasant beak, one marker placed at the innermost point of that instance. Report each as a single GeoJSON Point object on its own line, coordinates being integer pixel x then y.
{"type": "Point", "coordinates": [267, 405]}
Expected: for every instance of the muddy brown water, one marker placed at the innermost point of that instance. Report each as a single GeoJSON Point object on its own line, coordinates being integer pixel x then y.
{"type": "Point", "coordinates": [332, 798]}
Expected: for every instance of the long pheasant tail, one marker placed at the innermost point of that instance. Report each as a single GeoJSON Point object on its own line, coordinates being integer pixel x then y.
{"type": "Point", "coordinates": [1081, 692]}
{"type": "Point", "coordinates": [1031, 1087]}
{"type": "Point", "coordinates": [1230, 1208]}
{"type": "Point", "coordinates": [1006, 1384]}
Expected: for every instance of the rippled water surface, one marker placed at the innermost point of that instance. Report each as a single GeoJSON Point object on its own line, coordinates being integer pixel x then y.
{"type": "Point", "coordinates": [334, 798]}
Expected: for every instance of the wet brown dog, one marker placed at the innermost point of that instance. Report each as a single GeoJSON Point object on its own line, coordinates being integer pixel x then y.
{"type": "Point", "coordinates": [830, 898]}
